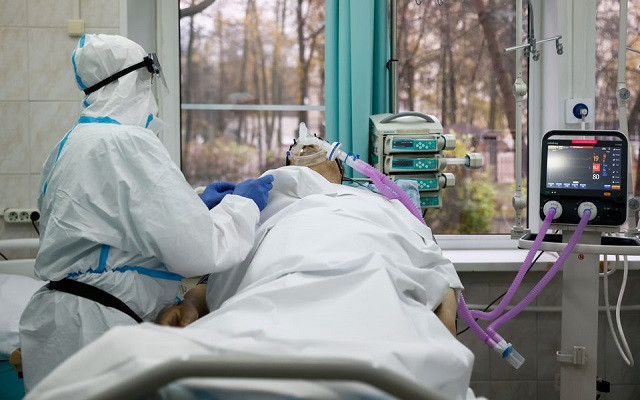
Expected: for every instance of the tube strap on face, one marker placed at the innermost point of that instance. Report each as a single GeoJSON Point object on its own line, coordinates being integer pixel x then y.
{"type": "Point", "coordinates": [146, 62]}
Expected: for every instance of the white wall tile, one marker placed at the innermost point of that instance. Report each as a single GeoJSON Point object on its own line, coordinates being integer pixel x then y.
{"type": "Point", "coordinates": [50, 13]}
{"type": "Point", "coordinates": [476, 291]}
{"type": "Point", "coordinates": [100, 13]}
{"type": "Point", "coordinates": [496, 289]}
{"type": "Point", "coordinates": [521, 332]}
{"type": "Point", "coordinates": [521, 390]}
{"type": "Point", "coordinates": [617, 372]}
{"type": "Point", "coordinates": [35, 189]}
{"type": "Point", "coordinates": [552, 293]}
{"type": "Point", "coordinates": [49, 122]}
{"type": "Point", "coordinates": [624, 392]}
{"type": "Point", "coordinates": [548, 337]}
{"type": "Point", "coordinates": [14, 13]}
{"type": "Point", "coordinates": [14, 191]}
{"type": "Point", "coordinates": [480, 388]}
{"type": "Point", "coordinates": [547, 391]}
{"type": "Point", "coordinates": [17, 231]}
{"type": "Point", "coordinates": [107, 31]}
{"type": "Point", "coordinates": [14, 157]}
{"type": "Point", "coordinates": [481, 353]}
{"type": "Point", "coordinates": [51, 75]}
{"type": "Point", "coordinates": [13, 64]}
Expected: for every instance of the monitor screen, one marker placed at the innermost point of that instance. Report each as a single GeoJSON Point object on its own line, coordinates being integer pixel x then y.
{"type": "Point", "coordinates": [584, 165]}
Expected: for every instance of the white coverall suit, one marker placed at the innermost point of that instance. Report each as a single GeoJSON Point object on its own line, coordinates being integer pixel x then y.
{"type": "Point", "coordinates": [117, 214]}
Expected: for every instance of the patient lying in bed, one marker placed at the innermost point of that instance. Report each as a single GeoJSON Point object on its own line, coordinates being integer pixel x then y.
{"type": "Point", "coordinates": [336, 272]}
{"type": "Point", "coordinates": [195, 305]}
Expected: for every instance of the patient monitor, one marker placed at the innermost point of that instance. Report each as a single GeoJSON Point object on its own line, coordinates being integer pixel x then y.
{"type": "Point", "coordinates": [584, 169]}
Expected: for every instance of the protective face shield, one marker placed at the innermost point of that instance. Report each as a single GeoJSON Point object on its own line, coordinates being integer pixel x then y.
{"type": "Point", "coordinates": [150, 62]}
{"type": "Point", "coordinates": [156, 125]}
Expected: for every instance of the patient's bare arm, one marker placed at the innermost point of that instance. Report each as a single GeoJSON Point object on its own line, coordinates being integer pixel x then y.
{"type": "Point", "coordinates": [193, 307]}
{"type": "Point", "coordinates": [446, 311]}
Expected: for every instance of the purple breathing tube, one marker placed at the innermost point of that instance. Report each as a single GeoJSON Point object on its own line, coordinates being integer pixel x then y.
{"type": "Point", "coordinates": [489, 316]}
{"type": "Point", "coordinates": [490, 337]}
{"type": "Point", "coordinates": [386, 186]}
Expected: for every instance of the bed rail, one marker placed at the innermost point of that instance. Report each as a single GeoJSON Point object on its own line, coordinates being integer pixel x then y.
{"type": "Point", "coordinates": [205, 366]}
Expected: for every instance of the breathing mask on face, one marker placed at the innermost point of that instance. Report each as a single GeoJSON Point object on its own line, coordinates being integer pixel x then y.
{"type": "Point", "coordinates": [315, 158]}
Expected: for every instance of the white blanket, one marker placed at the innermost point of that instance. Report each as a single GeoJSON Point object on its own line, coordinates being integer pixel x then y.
{"type": "Point", "coordinates": [336, 273]}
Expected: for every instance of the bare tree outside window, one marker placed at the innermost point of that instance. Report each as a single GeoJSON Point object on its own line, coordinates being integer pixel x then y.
{"type": "Point", "coordinates": [607, 18]}
{"type": "Point", "coordinates": [250, 71]}
{"type": "Point", "coordinates": [452, 66]}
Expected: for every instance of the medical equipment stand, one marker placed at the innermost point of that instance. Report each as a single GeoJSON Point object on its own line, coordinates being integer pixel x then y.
{"type": "Point", "coordinates": [578, 355]}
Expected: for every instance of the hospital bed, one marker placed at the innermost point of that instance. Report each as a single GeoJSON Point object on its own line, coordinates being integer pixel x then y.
{"type": "Point", "coordinates": [306, 317]}
{"type": "Point", "coordinates": [155, 378]}
{"type": "Point", "coordinates": [147, 361]}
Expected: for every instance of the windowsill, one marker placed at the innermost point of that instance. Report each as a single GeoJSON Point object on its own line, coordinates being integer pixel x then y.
{"type": "Point", "coordinates": [496, 253]}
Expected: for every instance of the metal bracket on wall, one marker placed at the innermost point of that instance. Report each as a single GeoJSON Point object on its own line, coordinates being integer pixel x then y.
{"type": "Point", "coordinates": [579, 356]}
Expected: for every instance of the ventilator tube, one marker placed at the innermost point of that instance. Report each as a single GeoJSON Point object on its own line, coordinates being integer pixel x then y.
{"type": "Point", "coordinates": [386, 186]}
{"type": "Point", "coordinates": [491, 315]}
{"type": "Point", "coordinates": [490, 337]}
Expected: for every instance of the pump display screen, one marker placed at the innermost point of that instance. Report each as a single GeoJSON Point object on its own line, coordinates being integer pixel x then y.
{"type": "Point", "coordinates": [402, 143]}
{"type": "Point", "coordinates": [579, 165]}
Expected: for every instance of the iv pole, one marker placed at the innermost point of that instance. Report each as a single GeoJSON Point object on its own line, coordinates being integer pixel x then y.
{"type": "Point", "coordinates": [519, 90]}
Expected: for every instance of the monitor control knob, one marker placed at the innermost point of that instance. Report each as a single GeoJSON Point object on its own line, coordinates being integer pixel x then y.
{"type": "Point", "coordinates": [552, 204]}
{"type": "Point", "coordinates": [587, 205]}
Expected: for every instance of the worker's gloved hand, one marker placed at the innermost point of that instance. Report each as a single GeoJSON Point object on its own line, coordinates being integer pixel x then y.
{"type": "Point", "coordinates": [215, 192]}
{"type": "Point", "coordinates": [256, 190]}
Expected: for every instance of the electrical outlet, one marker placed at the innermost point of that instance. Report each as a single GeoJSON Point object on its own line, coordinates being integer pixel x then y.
{"type": "Point", "coordinates": [21, 215]}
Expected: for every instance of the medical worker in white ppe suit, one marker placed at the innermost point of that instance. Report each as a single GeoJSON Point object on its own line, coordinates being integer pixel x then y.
{"type": "Point", "coordinates": [120, 225]}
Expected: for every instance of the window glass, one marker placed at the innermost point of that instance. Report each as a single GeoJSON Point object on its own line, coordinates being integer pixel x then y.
{"type": "Point", "coordinates": [250, 71]}
{"type": "Point", "coordinates": [607, 22]}
{"type": "Point", "coordinates": [452, 65]}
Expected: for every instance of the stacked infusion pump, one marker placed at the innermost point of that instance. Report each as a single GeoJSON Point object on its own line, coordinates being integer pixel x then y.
{"type": "Point", "coordinates": [409, 145]}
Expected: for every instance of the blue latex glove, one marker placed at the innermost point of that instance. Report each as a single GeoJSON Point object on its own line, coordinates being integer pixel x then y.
{"type": "Point", "coordinates": [256, 190]}
{"type": "Point", "coordinates": [215, 192]}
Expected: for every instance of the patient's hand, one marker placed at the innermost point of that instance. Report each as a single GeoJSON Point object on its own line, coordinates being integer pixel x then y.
{"type": "Point", "coordinates": [193, 307]}
{"type": "Point", "coordinates": [15, 358]}
{"type": "Point", "coordinates": [179, 315]}
{"type": "Point", "coordinates": [446, 311]}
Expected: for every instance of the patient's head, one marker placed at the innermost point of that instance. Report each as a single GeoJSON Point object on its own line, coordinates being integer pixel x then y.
{"type": "Point", "coordinates": [316, 159]}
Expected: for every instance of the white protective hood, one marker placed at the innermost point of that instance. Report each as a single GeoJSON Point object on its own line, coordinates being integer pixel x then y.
{"type": "Point", "coordinates": [129, 100]}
